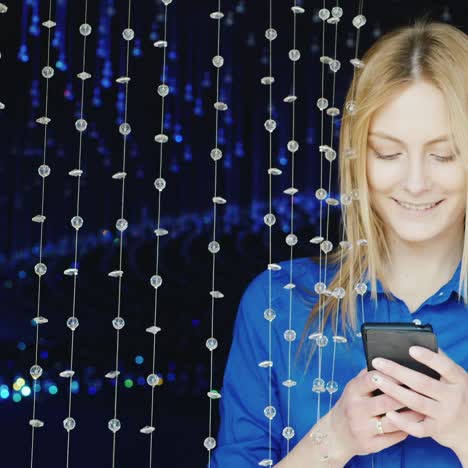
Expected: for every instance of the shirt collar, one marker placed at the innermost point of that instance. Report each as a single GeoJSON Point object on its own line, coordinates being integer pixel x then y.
{"type": "Point", "coordinates": [451, 286]}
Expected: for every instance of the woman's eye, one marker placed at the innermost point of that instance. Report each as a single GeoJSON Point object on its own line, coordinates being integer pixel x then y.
{"type": "Point", "coordinates": [392, 156]}
{"type": "Point", "coordinates": [386, 156]}
{"type": "Point", "coordinates": [444, 158]}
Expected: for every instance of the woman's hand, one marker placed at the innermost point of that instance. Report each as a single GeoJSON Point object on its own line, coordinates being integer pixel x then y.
{"type": "Point", "coordinates": [444, 403]}
{"type": "Point", "coordinates": [353, 419]}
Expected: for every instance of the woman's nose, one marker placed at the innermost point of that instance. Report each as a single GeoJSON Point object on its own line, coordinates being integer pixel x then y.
{"type": "Point", "coordinates": [417, 176]}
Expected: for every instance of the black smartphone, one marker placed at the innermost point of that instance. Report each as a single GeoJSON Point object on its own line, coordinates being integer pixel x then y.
{"type": "Point", "coordinates": [392, 340]}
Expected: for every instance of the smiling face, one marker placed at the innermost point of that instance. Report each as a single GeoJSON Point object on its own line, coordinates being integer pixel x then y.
{"type": "Point", "coordinates": [412, 132]}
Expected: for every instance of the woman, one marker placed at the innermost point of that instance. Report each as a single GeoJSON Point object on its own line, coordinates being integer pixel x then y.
{"type": "Point", "coordinates": [409, 135]}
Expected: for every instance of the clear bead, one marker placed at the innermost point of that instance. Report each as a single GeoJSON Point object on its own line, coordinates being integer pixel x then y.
{"type": "Point", "coordinates": [118, 323]}
{"type": "Point", "coordinates": [85, 29]}
{"type": "Point", "coordinates": [40, 269]}
{"type": "Point", "coordinates": [350, 153]}
{"type": "Point", "coordinates": [214, 394]}
{"type": "Point", "coordinates": [114, 425]}
{"type": "Point", "coordinates": [267, 80]}
{"type": "Point", "coordinates": [214, 247]}
{"type": "Point", "coordinates": [128, 34]}
{"type": "Point", "coordinates": [333, 111]}
{"type": "Point", "coordinates": [209, 443]}
{"type": "Point", "coordinates": [156, 281]}
{"type": "Point", "coordinates": [331, 386]}
{"type": "Point", "coordinates": [291, 239]}
{"type": "Point", "coordinates": [346, 245]}
{"type": "Point", "coordinates": [48, 72]}
{"type": "Point", "coordinates": [269, 314]}
{"type": "Point", "coordinates": [77, 222]}
{"type": "Point", "coordinates": [359, 21]}
{"type": "Point", "coordinates": [3, 8]}
{"type": "Point", "coordinates": [83, 75]}
{"type": "Point", "coordinates": [216, 154]}
{"type": "Point", "coordinates": [69, 424]}
{"type": "Point", "coordinates": [73, 323]}
{"type": "Point", "coordinates": [270, 125]}
{"type": "Point", "coordinates": [160, 184]}
{"type": "Point", "coordinates": [361, 288]}
{"type": "Point", "coordinates": [297, 10]}
{"type": "Point", "coordinates": [49, 24]}
{"type": "Point", "coordinates": [222, 106]}
{"type": "Point", "coordinates": [322, 103]}
{"type": "Point", "coordinates": [211, 343]}
{"type": "Point", "coordinates": [266, 462]}
{"type": "Point", "coordinates": [362, 242]}
{"type": "Point", "coordinates": [265, 364]}
{"type": "Point", "coordinates": [355, 194]}
{"type": "Point", "coordinates": [294, 55]}
{"type": "Point", "coordinates": [324, 14]}
{"type": "Point", "coordinates": [218, 61]}
{"type": "Point", "coordinates": [326, 246]}
{"type": "Point", "coordinates": [351, 107]}
{"type": "Point", "coordinates": [289, 383]}
{"type": "Point", "coordinates": [121, 224]}
{"type": "Point", "coordinates": [317, 239]}
{"type": "Point", "coordinates": [271, 34]}
{"type": "Point", "coordinates": [330, 155]}
{"type": "Point", "coordinates": [167, 2]}
{"type": "Point", "coordinates": [293, 146]}
{"type": "Point", "coordinates": [269, 219]}
{"type": "Point", "coordinates": [152, 380]}
{"type": "Point", "coordinates": [322, 341]}
{"type": "Point", "coordinates": [125, 128]}
{"type": "Point", "coordinates": [147, 430]}
{"type": "Point", "coordinates": [318, 385]}
{"type": "Point", "coordinates": [339, 339]}
{"type": "Point", "coordinates": [321, 194]}
{"type": "Point", "coordinates": [339, 293]}
{"type": "Point", "coordinates": [320, 287]}
{"type": "Point", "coordinates": [217, 15]}
{"type": "Point", "coordinates": [163, 90]}
{"type": "Point", "coordinates": [335, 65]}
{"type": "Point", "coordinates": [36, 423]}
{"type": "Point", "coordinates": [35, 371]}
{"type": "Point", "coordinates": [289, 335]}
{"type": "Point", "coordinates": [355, 62]}
{"type": "Point", "coordinates": [326, 60]}
{"type": "Point", "coordinates": [288, 432]}
{"type": "Point", "coordinates": [346, 199]}
{"type": "Point", "coordinates": [81, 125]}
{"type": "Point", "coordinates": [161, 138]}
{"type": "Point", "coordinates": [269, 412]}
{"type": "Point", "coordinates": [332, 201]}
{"type": "Point", "coordinates": [337, 12]}
{"type": "Point", "coordinates": [43, 170]}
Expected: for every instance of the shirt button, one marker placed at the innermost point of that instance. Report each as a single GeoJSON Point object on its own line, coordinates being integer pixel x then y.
{"type": "Point", "coordinates": [441, 294]}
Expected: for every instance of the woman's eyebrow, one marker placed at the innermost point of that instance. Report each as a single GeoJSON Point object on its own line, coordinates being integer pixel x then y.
{"type": "Point", "coordinates": [386, 136]}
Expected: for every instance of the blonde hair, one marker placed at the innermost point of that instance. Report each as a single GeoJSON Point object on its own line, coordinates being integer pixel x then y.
{"type": "Point", "coordinates": [431, 51]}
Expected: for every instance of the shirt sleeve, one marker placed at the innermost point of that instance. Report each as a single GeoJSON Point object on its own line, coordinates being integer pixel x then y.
{"type": "Point", "coordinates": [243, 437]}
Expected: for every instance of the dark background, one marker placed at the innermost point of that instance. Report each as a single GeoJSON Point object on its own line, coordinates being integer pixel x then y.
{"type": "Point", "coordinates": [184, 305]}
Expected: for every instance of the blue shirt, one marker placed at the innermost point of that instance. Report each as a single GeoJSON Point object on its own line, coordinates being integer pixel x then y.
{"type": "Point", "coordinates": [243, 437]}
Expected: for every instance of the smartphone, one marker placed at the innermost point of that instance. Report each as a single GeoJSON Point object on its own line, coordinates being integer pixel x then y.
{"type": "Point", "coordinates": [392, 340]}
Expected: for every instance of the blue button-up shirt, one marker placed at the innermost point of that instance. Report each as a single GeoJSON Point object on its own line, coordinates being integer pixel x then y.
{"type": "Point", "coordinates": [243, 438]}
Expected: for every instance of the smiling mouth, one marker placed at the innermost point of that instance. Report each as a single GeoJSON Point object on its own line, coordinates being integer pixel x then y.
{"type": "Point", "coordinates": [433, 205]}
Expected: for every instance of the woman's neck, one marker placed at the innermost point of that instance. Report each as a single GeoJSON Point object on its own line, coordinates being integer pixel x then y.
{"type": "Point", "coordinates": [416, 264]}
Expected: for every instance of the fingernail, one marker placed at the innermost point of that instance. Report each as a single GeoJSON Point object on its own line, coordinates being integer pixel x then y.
{"type": "Point", "coordinates": [378, 362]}
{"type": "Point", "coordinates": [377, 379]}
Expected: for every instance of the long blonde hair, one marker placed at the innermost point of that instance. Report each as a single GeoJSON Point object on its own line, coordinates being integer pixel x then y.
{"type": "Point", "coordinates": [432, 51]}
